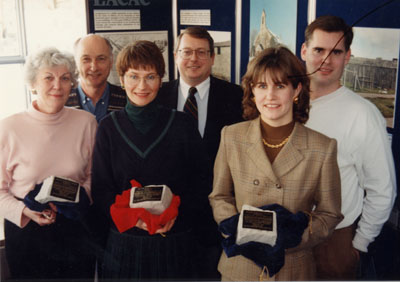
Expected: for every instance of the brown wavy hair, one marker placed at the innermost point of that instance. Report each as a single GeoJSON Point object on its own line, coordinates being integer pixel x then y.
{"type": "Point", "coordinates": [284, 67]}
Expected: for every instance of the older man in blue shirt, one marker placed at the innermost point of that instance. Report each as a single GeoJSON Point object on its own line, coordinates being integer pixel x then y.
{"type": "Point", "coordinates": [94, 58]}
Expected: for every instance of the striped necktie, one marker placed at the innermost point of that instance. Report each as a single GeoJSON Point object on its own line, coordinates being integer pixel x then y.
{"type": "Point", "coordinates": [191, 104]}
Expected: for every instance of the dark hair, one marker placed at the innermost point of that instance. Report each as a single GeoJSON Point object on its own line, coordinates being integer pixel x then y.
{"type": "Point", "coordinates": [141, 53]}
{"type": "Point", "coordinates": [284, 67]}
{"type": "Point", "coordinates": [330, 23]}
{"type": "Point", "coordinates": [196, 32]}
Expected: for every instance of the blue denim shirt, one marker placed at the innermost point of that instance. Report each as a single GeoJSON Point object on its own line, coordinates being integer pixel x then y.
{"type": "Point", "coordinates": [100, 110]}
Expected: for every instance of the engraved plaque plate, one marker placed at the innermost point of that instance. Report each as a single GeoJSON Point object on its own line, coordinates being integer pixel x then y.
{"type": "Point", "coordinates": [144, 194]}
{"type": "Point", "coordinates": [258, 220]}
{"type": "Point", "coordinates": [64, 189]}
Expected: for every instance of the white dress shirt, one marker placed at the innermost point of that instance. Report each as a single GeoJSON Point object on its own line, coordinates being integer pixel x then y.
{"type": "Point", "coordinates": [201, 99]}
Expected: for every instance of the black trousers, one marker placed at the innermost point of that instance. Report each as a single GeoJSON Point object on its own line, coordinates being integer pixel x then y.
{"type": "Point", "coordinates": [57, 251]}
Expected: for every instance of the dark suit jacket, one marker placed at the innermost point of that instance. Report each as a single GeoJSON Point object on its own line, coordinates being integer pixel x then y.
{"type": "Point", "coordinates": [224, 108]}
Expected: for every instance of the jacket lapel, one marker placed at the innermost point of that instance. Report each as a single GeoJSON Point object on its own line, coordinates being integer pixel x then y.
{"type": "Point", "coordinates": [290, 156]}
{"type": "Point", "coordinates": [212, 108]}
{"type": "Point", "coordinates": [256, 150]}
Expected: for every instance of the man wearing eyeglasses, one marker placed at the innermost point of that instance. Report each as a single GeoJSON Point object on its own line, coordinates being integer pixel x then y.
{"type": "Point", "coordinates": [94, 58]}
{"type": "Point", "coordinates": [216, 103]}
{"type": "Point", "coordinates": [364, 154]}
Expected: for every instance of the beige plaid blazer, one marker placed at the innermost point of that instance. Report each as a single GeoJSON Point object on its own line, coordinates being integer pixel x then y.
{"type": "Point", "coordinates": [304, 174]}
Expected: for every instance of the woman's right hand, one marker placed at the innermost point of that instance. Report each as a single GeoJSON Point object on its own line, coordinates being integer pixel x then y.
{"type": "Point", "coordinates": [167, 227]}
{"type": "Point", "coordinates": [141, 225]}
{"type": "Point", "coordinates": [45, 217]}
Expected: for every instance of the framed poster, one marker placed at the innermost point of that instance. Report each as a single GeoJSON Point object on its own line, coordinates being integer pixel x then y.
{"type": "Point", "coordinates": [120, 18]}
{"type": "Point", "coordinates": [218, 17]}
{"type": "Point", "coordinates": [120, 39]}
{"type": "Point", "coordinates": [373, 68]}
{"type": "Point", "coordinates": [271, 22]}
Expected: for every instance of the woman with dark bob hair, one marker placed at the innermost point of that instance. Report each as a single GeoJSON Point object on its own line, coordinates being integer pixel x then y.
{"type": "Point", "coordinates": [146, 144]}
{"type": "Point", "coordinates": [47, 240]}
{"type": "Point", "coordinates": [274, 159]}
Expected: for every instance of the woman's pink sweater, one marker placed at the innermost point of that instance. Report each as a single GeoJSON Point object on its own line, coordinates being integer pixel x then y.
{"type": "Point", "coordinates": [34, 146]}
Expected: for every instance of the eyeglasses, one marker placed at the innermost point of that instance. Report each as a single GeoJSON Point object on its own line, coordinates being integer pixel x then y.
{"type": "Point", "coordinates": [150, 79]}
{"type": "Point", "coordinates": [187, 53]}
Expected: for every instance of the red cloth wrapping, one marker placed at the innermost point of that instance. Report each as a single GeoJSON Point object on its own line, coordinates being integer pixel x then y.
{"type": "Point", "coordinates": [126, 218]}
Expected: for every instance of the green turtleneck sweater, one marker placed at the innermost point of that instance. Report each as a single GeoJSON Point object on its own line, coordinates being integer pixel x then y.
{"type": "Point", "coordinates": [143, 118]}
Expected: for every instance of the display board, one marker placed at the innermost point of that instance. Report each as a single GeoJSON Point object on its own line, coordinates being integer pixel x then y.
{"type": "Point", "coordinates": [266, 23]}
{"type": "Point", "coordinates": [124, 21]}
{"type": "Point", "coordinates": [218, 17]}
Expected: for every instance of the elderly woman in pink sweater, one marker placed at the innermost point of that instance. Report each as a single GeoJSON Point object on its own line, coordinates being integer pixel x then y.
{"type": "Point", "coordinates": [46, 140]}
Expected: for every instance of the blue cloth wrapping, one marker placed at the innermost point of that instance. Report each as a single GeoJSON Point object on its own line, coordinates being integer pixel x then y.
{"type": "Point", "coordinates": [73, 211]}
{"type": "Point", "coordinates": [290, 228]}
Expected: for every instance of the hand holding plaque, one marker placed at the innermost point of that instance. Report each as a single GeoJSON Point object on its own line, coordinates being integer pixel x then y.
{"type": "Point", "coordinates": [58, 189]}
{"type": "Point", "coordinates": [152, 208]}
{"type": "Point", "coordinates": [256, 225]}
{"type": "Point", "coordinates": [153, 198]}
{"type": "Point", "coordinates": [69, 198]}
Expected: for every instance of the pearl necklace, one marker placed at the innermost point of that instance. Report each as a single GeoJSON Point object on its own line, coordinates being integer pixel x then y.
{"type": "Point", "coordinates": [277, 145]}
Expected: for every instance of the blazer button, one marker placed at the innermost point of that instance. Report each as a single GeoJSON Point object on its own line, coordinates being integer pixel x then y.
{"type": "Point", "coordinates": [278, 186]}
{"type": "Point", "coordinates": [256, 182]}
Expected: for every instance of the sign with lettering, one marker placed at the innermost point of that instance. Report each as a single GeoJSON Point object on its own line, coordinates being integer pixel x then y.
{"type": "Point", "coordinates": [120, 3]}
{"type": "Point", "coordinates": [143, 194]}
{"type": "Point", "coordinates": [64, 189]}
{"type": "Point", "coordinates": [261, 220]}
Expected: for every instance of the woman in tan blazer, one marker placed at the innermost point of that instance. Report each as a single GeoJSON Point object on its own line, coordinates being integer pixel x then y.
{"type": "Point", "coordinates": [273, 159]}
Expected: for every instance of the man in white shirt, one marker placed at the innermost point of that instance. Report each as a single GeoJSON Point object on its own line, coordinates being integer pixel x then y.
{"type": "Point", "coordinates": [364, 154]}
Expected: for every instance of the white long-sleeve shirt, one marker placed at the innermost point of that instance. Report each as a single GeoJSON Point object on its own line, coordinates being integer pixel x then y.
{"type": "Point", "coordinates": [364, 157]}
{"type": "Point", "coordinates": [34, 146]}
{"type": "Point", "coordinates": [201, 99]}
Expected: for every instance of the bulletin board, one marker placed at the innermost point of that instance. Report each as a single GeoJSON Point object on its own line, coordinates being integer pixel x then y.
{"type": "Point", "coordinates": [123, 21]}
{"type": "Point", "coordinates": [278, 17]}
{"type": "Point", "coordinates": [219, 18]}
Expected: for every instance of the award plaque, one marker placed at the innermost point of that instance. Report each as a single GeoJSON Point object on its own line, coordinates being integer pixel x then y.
{"type": "Point", "coordinates": [143, 194]}
{"type": "Point", "coordinates": [256, 225]}
{"type": "Point", "coordinates": [64, 189]}
{"type": "Point", "coordinates": [58, 189]}
{"type": "Point", "coordinates": [258, 220]}
{"type": "Point", "coordinates": [154, 198]}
